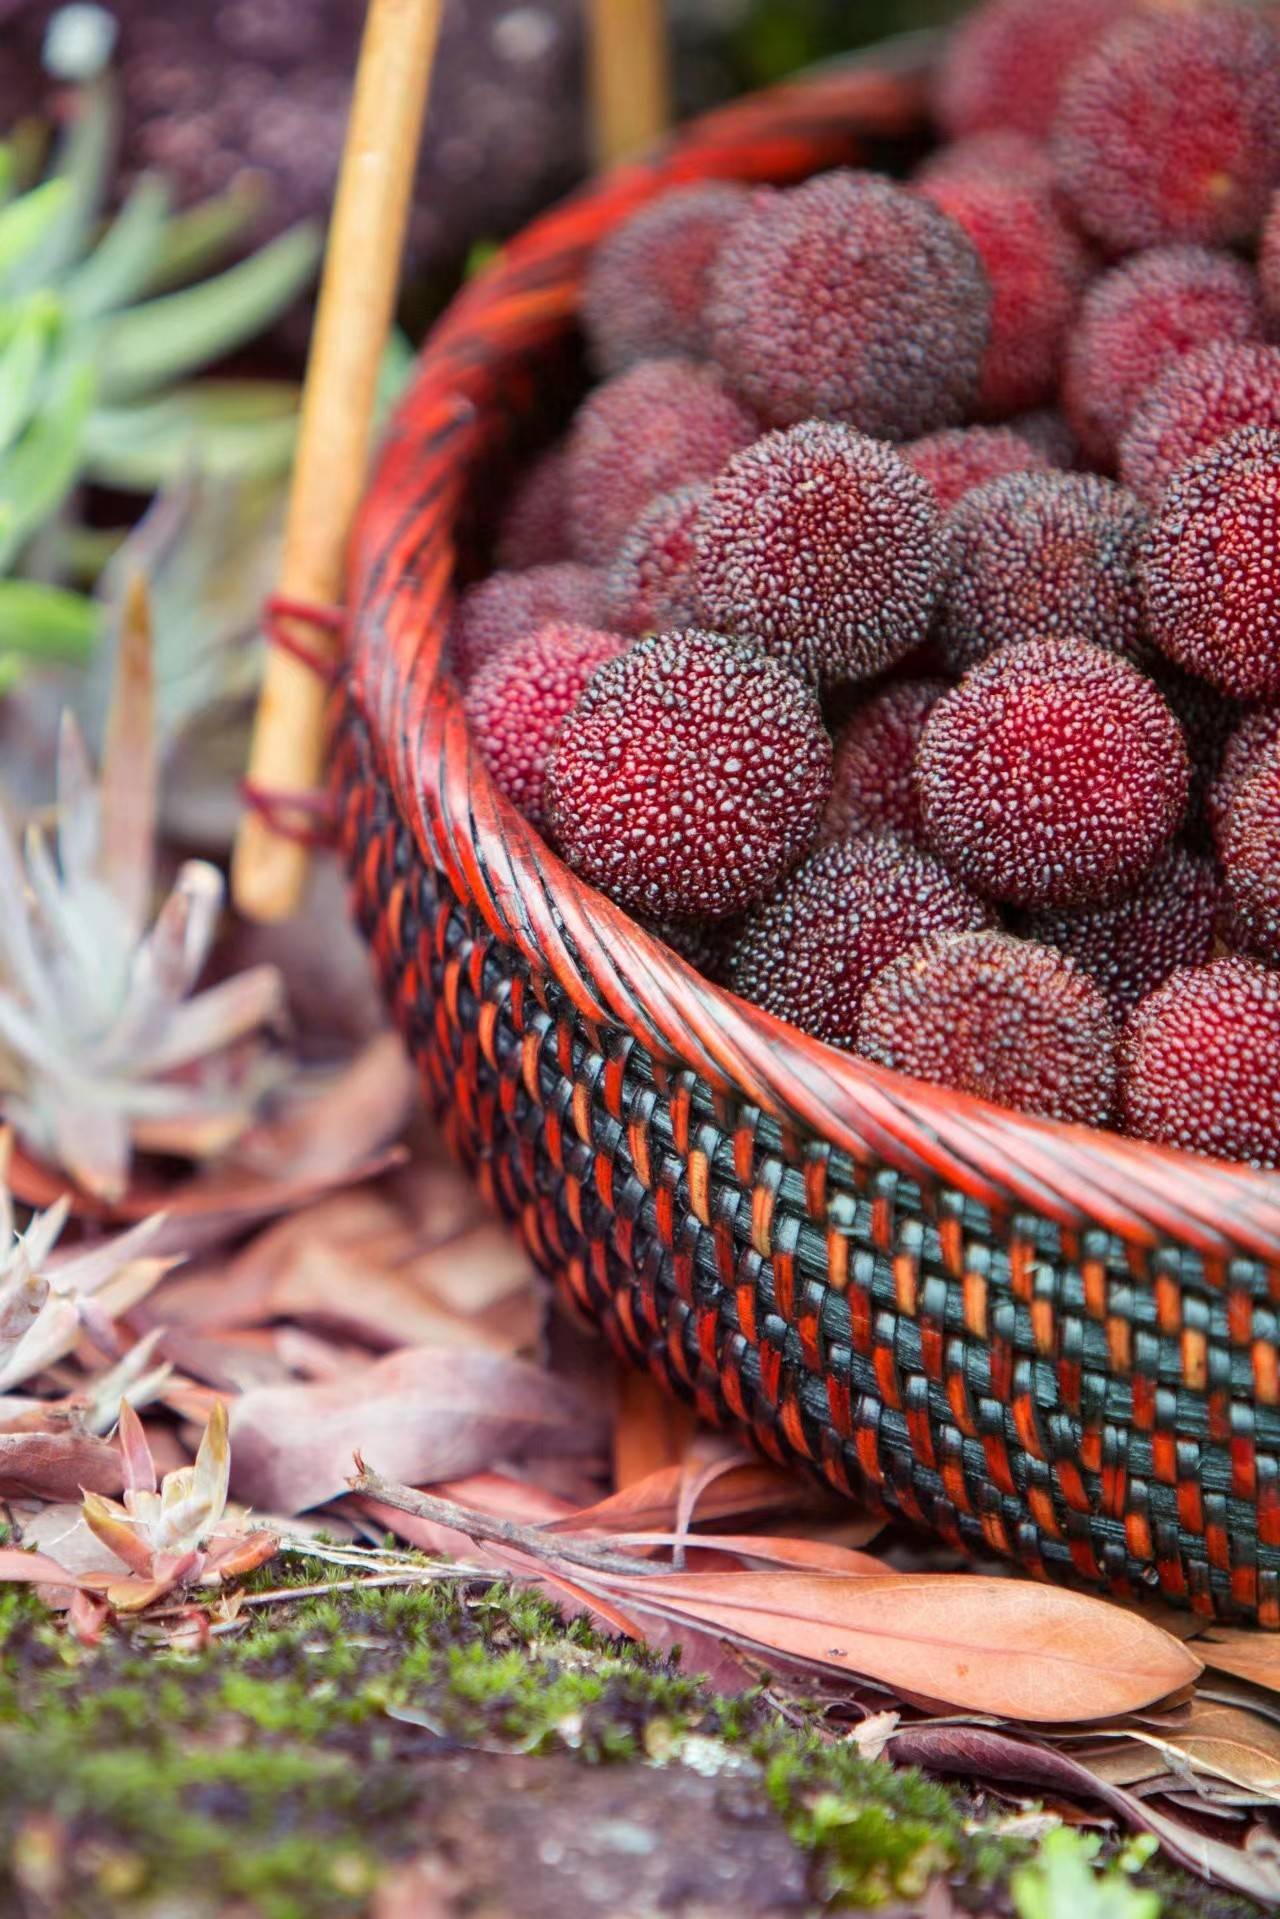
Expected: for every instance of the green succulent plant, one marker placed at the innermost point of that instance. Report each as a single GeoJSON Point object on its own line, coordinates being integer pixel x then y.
{"type": "Point", "coordinates": [103, 325]}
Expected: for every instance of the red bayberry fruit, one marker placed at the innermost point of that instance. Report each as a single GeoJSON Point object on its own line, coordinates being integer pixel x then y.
{"type": "Point", "coordinates": [534, 529]}
{"type": "Point", "coordinates": [1211, 566]}
{"type": "Point", "coordinates": [1269, 261]}
{"type": "Point", "coordinates": [1006, 62]}
{"type": "Point", "coordinates": [1049, 432]}
{"type": "Point", "coordinates": [653, 582]}
{"type": "Point", "coordinates": [1169, 129]}
{"type": "Point", "coordinates": [1053, 775]}
{"type": "Point", "coordinates": [506, 606]}
{"type": "Point", "coordinates": [1137, 320]}
{"type": "Point", "coordinates": [661, 425]}
{"type": "Point", "coordinates": [518, 701]}
{"type": "Point", "coordinates": [1038, 270]}
{"type": "Point", "coordinates": [963, 457]}
{"type": "Point", "coordinates": [823, 547]}
{"type": "Point", "coordinates": [1250, 844]}
{"type": "Point", "coordinates": [1001, 1018]}
{"type": "Point", "coordinates": [1200, 1063]}
{"type": "Point", "coordinates": [873, 783]}
{"type": "Point", "coordinates": [1040, 553]}
{"type": "Point", "coordinates": [850, 298]}
{"type": "Point", "coordinates": [999, 153]}
{"type": "Point", "coordinates": [690, 776]}
{"type": "Point", "coordinates": [1207, 720]}
{"type": "Point", "coordinates": [811, 950]}
{"type": "Point", "coordinates": [1244, 749]}
{"type": "Point", "coordinates": [646, 289]}
{"type": "Point", "coordinates": [1130, 948]}
{"type": "Point", "coordinates": [1196, 402]}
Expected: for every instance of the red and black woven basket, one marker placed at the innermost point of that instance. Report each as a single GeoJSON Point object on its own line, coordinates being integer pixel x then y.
{"type": "Point", "coordinates": [1034, 1339]}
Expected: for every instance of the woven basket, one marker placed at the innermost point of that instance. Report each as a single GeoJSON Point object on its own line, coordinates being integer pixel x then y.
{"type": "Point", "coordinates": [1035, 1340]}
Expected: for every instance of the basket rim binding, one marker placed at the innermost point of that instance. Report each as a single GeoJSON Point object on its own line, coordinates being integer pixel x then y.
{"type": "Point", "coordinates": [476, 373]}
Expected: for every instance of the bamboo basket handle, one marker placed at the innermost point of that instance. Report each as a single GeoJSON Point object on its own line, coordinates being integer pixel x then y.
{"type": "Point", "coordinates": [353, 317]}
{"type": "Point", "coordinates": [630, 77]}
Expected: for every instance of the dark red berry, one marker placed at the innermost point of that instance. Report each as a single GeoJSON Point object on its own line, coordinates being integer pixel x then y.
{"type": "Point", "coordinates": [963, 457]}
{"type": "Point", "coordinates": [1006, 62]}
{"type": "Point", "coordinates": [507, 606]}
{"type": "Point", "coordinates": [1244, 749]}
{"type": "Point", "coordinates": [534, 528]}
{"type": "Point", "coordinates": [1196, 402]}
{"type": "Point", "coordinates": [823, 547]}
{"type": "Point", "coordinates": [1036, 554]}
{"type": "Point", "coordinates": [518, 701]}
{"type": "Point", "coordinates": [999, 153]}
{"type": "Point", "coordinates": [852, 299]}
{"type": "Point", "coordinates": [690, 776]}
{"type": "Point", "coordinates": [1169, 129]}
{"type": "Point", "coordinates": [661, 425]}
{"type": "Point", "coordinates": [1200, 1063]}
{"type": "Point", "coordinates": [1054, 775]}
{"type": "Point", "coordinates": [873, 781]}
{"type": "Point", "coordinates": [646, 290]}
{"type": "Point", "coordinates": [1207, 719]}
{"type": "Point", "coordinates": [1049, 433]}
{"type": "Point", "coordinates": [1250, 846]}
{"type": "Point", "coordinates": [1130, 948]}
{"type": "Point", "coordinates": [1137, 320]}
{"type": "Point", "coordinates": [1038, 270]}
{"type": "Point", "coordinates": [1269, 261]}
{"type": "Point", "coordinates": [653, 582]}
{"type": "Point", "coordinates": [1001, 1018]}
{"type": "Point", "coordinates": [810, 952]}
{"type": "Point", "coordinates": [1211, 567]}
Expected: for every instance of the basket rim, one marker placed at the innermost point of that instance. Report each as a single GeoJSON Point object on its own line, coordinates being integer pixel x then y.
{"type": "Point", "coordinates": [477, 371]}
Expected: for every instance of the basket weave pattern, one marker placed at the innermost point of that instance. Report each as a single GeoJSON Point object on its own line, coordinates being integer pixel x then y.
{"type": "Point", "coordinates": [1035, 1340]}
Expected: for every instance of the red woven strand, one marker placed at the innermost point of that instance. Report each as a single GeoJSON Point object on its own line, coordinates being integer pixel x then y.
{"type": "Point", "coordinates": [287, 814]}
{"type": "Point", "coordinates": [325, 619]}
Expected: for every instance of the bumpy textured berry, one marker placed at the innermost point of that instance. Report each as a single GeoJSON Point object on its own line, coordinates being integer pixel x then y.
{"type": "Point", "coordinates": [1211, 566]}
{"type": "Point", "coordinates": [1269, 261]}
{"type": "Point", "coordinates": [1054, 775]}
{"type": "Point", "coordinates": [1006, 62]}
{"type": "Point", "coordinates": [1250, 845]}
{"type": "Point", "coordinates": [506, 606]}
{"type": "Point", "coordinates": [1038, 270]}
{"type": "Point", "coordinates": [850, 298]}
{"type": "Point", "coordinates": [999, 153]}
{"type": "Point", "coordinates": [1137, 320]}
{"type": "Point", "coordinates": [534, 528]}
{"type": "Point", "coordinates": [963, 457]}
{"type": "Point", "coordinates": [810, 952]}
{"type": "Point", "coordinates": [646, 290]}
{"type": "Point", "coordinates": [1255, 734]}
{"type": "Point", "coordinates": [1207, 719]}
{"type": "Point", "coordinates": [1035, 554]}
{"type": "Point", "coordinates": [1196, 402]}
{"type": "Point", "coordinates": [873, 781]}
{"type": "Point", "coordinates": [1200, 1063]}
{"type": "Point", "coordinates": [1169, 920]}
{"type": "Point", "coordinates": [690, 776]}
{"type": "Point", "coordinates": [517, 703]}
{"type": "Point", "coordinates": [1050, 433]}
{"type": "Point", "coordinates": [653, 581]}
{"type": "Point", "coordinates": [1169, 129]}
{"type": "Point", "coordinates": [823, 547]}
{"type": "Point", "coordinates": [661, 425]}
{"type": "Point", "coordinates": [1003, 1019]}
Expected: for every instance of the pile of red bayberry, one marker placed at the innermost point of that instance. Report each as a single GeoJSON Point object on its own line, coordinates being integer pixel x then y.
{"type": "Point", "coordinates": [897, 626]}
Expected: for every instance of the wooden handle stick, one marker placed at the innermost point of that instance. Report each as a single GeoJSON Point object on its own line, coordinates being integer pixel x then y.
{"type": "Point", "coordinates": [630, 77]}
{"type": "Point", "coordinates": [353, 316]}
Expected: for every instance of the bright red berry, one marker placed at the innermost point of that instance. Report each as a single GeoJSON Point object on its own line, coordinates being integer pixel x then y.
{"type": "Point", "coordinates": [507, 606]}
{"type": "Point", "coordinates": [873, 780]}
{"type": "Point", "coordinates": [963, 457]}
{"type": "Point", "coordinates": [653, 582]}
{"type": "Point", "coordinates": [1199, 400]}
{"type": "Point", "coordinates": [1200, 1063]}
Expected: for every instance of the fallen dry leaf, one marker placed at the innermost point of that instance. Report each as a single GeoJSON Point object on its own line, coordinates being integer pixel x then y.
{"type": "Point", "coordinates": [749, 1488]}
{"type": "Point", "coordinates": [650, 1430]}
{"type": "Point", "coordinates": [1249, 1655]}
{"type": "Point", "coordinates": [57, 1465]}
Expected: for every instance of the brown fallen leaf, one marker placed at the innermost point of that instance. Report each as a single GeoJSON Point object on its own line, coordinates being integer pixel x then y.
{"type": "Point", "coordinates": [798, 1555]}
{"type": "Point", "coordinates": [426, 1413]}
{"type": "Point", "coordinates": [650, 1430]}
{"type": "Point", "coordinates": [1249, 1655]}
{"type": "Point", "coordinates": [750, 1488]}
{"type": "Point", "coordinates": [1227, 1741]}
{"type": "Point", "coordinates": [57, 1465]}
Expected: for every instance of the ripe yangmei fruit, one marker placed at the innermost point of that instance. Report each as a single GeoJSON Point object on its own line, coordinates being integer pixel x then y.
{"type": "Point", "coordinates": [1250, 844]}
{"type": "Point", "coordinates": [1255, 733]}
{"type": "Point", "coordinates": [646, 292]}
{"type": "Point", "coordinates": [495, 612]}
{"type": "Point", "coordinates": [1211, 566]}
{"type": "Point", "coordinates": [518, 701]}
{"type": "Point", "coordinates": [662, 424]}
{"type": "Point", "coordinates": [534, 527]}
{"type": "Point", "coordinates": [873, 777]}
{"type": "Point", "coordinates": [811, 950]}
{"type": "Point", "coordinates": [1199, 400]}
{"type": "Point", "coordinates": [955, 461]}
{"type": "Point", "coordinates": [653, 581]}
{"type": "Point", "coordinates": [1005, 1019]}
{"type": "Point", "coordinates": [997, 153]}
{"type": "Point", "coordinates": [823, 547]}
{"type": "Point", "coordinates": [1129, 948]}
{"type": "Point", "coordinates": [1269, 261]}
{"type": "Point", "coordinates": [1137, 320]}
{"type": "Point", "coordinates": [1200, 1063]}
{"type": "Point", "coordinates": [1006, 62]}
{"type": "Point", "coordinates": [1169, 129]}
{"type": "Point", "coordinates": [851, 299]}
{"type": "Point", "coordinates": [1054, 775]}
{"type": "Point", "coordinates": [690, 776]}
{"type": "Point", "coordinates": [1036, 554]}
